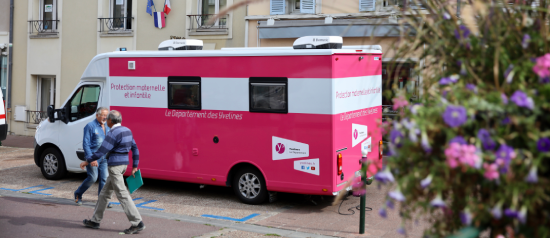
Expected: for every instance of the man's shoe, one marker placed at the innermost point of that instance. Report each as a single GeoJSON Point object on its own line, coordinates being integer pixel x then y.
{"type": "Point", "coordinates": [134, 229]}
{"type": "Point", "coordinates": [110, 205]}
{"type": "Point", "coordinates": [91, 224]}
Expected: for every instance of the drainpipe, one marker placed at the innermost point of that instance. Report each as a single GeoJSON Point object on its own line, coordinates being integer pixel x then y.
{"type": "Point", "coordinates": [10, 52]}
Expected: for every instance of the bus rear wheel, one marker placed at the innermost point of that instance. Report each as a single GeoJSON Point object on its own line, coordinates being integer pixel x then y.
{"type": "Point", "coordinates": [249, 186]}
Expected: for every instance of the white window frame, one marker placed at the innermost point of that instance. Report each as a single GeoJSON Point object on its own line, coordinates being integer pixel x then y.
{"type": "Point", "coordinates": [54, 13]}
{"type": "Point", "coordinates": [112, 10]}
{"type": "Point", "coordinates": [216, 11]}
{"type": "Point", "coordinates": [39, 91]}
{"type": "Point", "coordinates": [291, 7]}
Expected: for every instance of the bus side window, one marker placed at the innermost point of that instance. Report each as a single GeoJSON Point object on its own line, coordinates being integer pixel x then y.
{"type": "Point", "coordinates": [184, 93]}
{"type": "Point", "coordinates": [268, 95]}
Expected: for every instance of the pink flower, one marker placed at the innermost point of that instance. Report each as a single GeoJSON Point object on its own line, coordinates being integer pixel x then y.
{"type": "Point", "coordinates": [462, 154]}
{"type": "Point", "coordinates": [399, 102]}
{"type": "Point", "coordinates": [469, 155]}
{"type": "Point", "coordinates": [491, 171]}
{"type": "Point", "coordinates": [452, 153]}
{"type": "Point", "coordinates": [542, 67]}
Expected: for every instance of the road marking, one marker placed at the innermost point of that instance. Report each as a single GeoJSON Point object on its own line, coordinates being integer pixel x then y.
{"type": "Point", "coordinates": [232, 219]}
{"type": "Point", "coordinates": [140, 205]}
{"type": "Point", "coordinates": [16, 190]}
{"type": "Point", "coordinates": [33, 192]}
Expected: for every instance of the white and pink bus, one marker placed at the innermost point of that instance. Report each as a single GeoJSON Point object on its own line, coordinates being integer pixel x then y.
{"type": "Point", "coordinates": [259, 120]}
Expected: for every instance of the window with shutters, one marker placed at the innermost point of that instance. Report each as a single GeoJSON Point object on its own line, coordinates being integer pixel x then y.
{"type": "Point", "coordinates": [367, 5]}
{"type": "Point", "coordinates": [281, 7]}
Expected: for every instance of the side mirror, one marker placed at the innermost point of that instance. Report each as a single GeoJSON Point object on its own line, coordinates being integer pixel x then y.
{"type": "Point", "coordinates": [50, 112]}
{"type": "Point", "coordinates": [66, 114]}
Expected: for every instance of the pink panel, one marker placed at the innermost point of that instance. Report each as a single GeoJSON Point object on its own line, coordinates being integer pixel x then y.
{"type": "Point", "coordinates": [225, 67]}
{"type": "Point", "coordinates": [343, 139]}
{"type": "Point", "coordinates": [166, 143]}
{"type": "Point", "coordinates": [349, 65]}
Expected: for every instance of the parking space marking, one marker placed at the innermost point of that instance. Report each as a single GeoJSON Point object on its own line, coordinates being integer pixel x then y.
{"type": "Point", "coordinates": [140, 205]}
{"type": "Point", "coordinates": [33, 192]}
{"type": "Point", "coordinates": [232, 219]}
{"type": "Point", "coordinates": [16, 190]}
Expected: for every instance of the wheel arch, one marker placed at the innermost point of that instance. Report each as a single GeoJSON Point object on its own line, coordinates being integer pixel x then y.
{"type": "Point", "coordinates": [39, 149]}
{"type": "Point", "coordinates": [240, 165]}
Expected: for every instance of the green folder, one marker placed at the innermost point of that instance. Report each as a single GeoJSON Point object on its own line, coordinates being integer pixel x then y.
{"type": "Point", "coordinates": [134, 183]}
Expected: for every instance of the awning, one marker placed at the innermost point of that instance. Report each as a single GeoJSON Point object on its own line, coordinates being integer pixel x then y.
{"type": "Point", "coordinates": [338, 27]}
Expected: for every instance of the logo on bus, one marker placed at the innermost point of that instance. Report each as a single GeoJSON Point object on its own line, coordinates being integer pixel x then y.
{"type": "Point", "coordinates": [280, 148]}
{"type": "Point", "coordinates": [355, 134]}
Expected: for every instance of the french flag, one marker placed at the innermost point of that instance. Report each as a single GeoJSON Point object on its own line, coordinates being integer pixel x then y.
{"type": "Point", "coordinates": [167, 8]}
{"type": "Point", "coordinates": [159, 20]}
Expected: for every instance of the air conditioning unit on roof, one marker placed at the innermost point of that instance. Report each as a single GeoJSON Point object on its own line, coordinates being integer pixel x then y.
{"type": "Point", "coordinates": [318, 42]}
{"type": "Point", "coordinates": [187, 44]}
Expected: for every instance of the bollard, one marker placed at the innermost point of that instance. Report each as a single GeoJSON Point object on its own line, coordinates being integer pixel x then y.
{"type": "Point", "coordinates": [363, 197]}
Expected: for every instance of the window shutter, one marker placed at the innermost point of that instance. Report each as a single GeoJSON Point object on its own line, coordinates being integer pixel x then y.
{"type": "Point", "coordinates": [307, 6]}
{"type": "Point", "coordinates": [367, 5]}
{"type": "Point", "coordinates": [277, 7]}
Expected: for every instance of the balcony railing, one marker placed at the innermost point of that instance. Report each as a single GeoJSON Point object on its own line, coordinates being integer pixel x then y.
{"type": "Point", "coordinates": [43, 26]}
{"type": "Point", "coordinates": [201, 22]}
{"type": "Point", "coordinates": [115, 24]}
{"type": "Point", "coordinates": [35, 117]}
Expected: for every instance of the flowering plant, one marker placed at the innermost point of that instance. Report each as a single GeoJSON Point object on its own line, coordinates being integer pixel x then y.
{"type": "Point", "coordinates": [474, 149]}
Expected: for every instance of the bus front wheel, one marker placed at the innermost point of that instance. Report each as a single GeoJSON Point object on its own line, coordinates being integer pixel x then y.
{"type": "Point", "coordinates": [249, 186]}
{"type": "Point", "coordinates": [52, 164]}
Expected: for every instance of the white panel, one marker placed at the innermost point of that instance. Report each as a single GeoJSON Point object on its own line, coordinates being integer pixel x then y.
{"type": "Point", "coordinates": [356, 93]}
{"type": "Point", "coordinates": [139, 91]}
{"type": "Point", "coordinates": [225, 94]}
{"type": "Point", "coordinates": [96, 68]}
{"type": "Point", "coordinates": [20, 113]}
{"type": "Point", "coordinates": [310, 166]}
{"type": "Point", "coordinates": [307, 6]}
{"type": "Point", "coordinates": [288, 149]}
{"type": "Point", "coordinates": [309, 96]}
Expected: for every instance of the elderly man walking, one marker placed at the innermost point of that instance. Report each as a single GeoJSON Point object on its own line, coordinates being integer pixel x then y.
{"type": "Point", "coordinates": [94, 134]}
{"type": "Point", "coordinates": [118, 142]}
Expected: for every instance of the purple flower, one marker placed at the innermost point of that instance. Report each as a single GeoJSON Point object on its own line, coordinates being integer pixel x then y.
{"type": "Point", "coordinates": [545, 80]}
{"type": "Point", "coordinates": [486, 140]}
{"type": "Point", "coordinates": [402, 231]}
{"type": "Point", "coordinates": [384, 176]}
{"type": "Point", "coordinates": [446, 16]}
{"type": "Point", "coordinates": [397, 195]}
{"type": "Point", "coordinates": [525, 41]}
{"type": "Point", "coordinates": [462, 67]}
{"type": "Point", "coordinates": [455, 116]}
{"type": "Point", "coordinates": [395, 137]}
{"type": "Point", "coordinates": [496, 211]}
{"type": "Point", "coordinates": [505, 154]}
{"type": "Point", "coordinates": [504, 98]}
{"type": "Point", "coordinates": [425, 143]}
{"type": "Point", "coordinates": [505, 121]}
{"type": "Point", "coordinates": [522, 215]}
{"type": "Point", "coordinates": [389, 204]}
{"type": "Point", "coordinates": [359, 192]}
{"type": "Point", "coordinates": [414, 108]}
{"type": "Point", "coordinates": [426, 182]}
{"type": "Point", "coordinates": [471, 87]}
{"type": "Point", "coordinates": [438, 202]}
{"type": "Point", "coordinates": [466, 217]}
{"type": "Point", "coordinates": [449, 80]}
{"type": "Point", "coordinates": [459, 140]}
{"type": "Point", "coordinates": [462, 32]}
{"type": "Point", "coordinates": [509, 74]}
{"type": "Point", "coordinates": [522, 100]}
{"type": "Point", "coordinates": [512, 213]}
{"type": "Point", "coordinates": [532, 176]}
{"type": "Point", "coordinates": [382, 212]}
{"type": "Point", "coordinates": [543, 145]}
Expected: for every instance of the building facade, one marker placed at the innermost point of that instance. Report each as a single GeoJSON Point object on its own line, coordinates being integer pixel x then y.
{"type": "Point", "coordinates": [54, 40]}
{"type": "Point", "coordinates": [278, 23]}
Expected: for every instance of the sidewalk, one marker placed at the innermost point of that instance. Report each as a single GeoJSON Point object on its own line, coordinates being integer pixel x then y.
{"type": "Point", "coordinates": [19, 141]}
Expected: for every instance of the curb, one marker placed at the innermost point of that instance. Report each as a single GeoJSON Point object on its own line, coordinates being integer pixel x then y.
{"type": "Point", "coordinates": [171, 216]}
